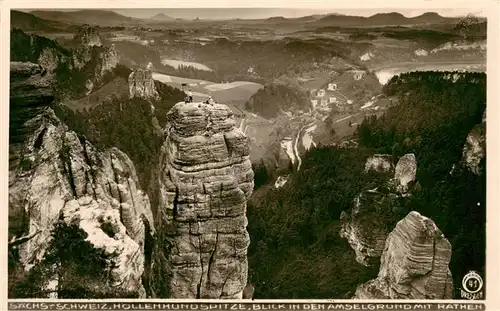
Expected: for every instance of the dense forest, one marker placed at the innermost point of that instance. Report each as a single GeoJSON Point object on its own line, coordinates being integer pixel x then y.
{"type": "Point", "coordinates": [295, 249]}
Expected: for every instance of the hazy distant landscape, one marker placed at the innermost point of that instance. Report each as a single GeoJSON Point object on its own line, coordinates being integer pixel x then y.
{"type": "Point", "coordinates": [335, 133]}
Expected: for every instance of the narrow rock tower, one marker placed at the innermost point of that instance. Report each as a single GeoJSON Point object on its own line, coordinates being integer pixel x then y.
{"type": "Point", "coordinates": [206, 179]}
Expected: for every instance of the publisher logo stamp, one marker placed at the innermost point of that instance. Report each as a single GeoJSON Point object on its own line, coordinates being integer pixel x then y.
{"type": "Point", "coordinates": [472, 286]}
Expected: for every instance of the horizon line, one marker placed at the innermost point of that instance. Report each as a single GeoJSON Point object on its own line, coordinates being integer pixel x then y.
{"type": "Point", "coordinates": [336, 12]}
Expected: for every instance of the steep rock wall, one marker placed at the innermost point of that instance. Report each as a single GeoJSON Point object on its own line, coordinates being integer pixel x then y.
{"type": "Point", "coordinates": [206, 179]}
{"type": "Point", "coordinates": [63, 175]}
{"type": "Point", "coordinates": [31, 89]}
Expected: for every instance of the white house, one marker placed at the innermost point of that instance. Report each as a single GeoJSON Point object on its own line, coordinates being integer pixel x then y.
{"type": "Point", "coordinates": [321, 93]}
{"type": "Point", "coordinates": [332, 86]}
{"type": "Point", "coordinates": [333, 100]}
{"type": "Point", "coordinates": [314, 102]}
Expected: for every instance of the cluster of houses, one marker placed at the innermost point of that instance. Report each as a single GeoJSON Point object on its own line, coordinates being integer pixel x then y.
{"type": "Point", "coordinates": [324, 100]}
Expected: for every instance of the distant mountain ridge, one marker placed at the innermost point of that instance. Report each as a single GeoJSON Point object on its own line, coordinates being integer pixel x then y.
{"type": "Point", "coordinates": [108, 17]}
{"type": "Point", "coordinates": [95, 17]}
{"type": "Point", "coordinates": [27, 22]}
{"type": "Point", "coordinates": [379, 19]}
{"type": "Point", "coordinates": [162, 17]}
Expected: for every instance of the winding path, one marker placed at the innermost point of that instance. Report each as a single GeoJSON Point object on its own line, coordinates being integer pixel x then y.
{"type": "Point", "coordinates": [295, 148]}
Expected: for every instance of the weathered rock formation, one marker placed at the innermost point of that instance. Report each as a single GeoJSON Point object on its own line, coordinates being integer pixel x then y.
{"type": "Point", "coordinates": [49, 59]}
{"type": "Point", "coordinates": [379, 163]}
{"type": "Point", "coordinates": [54, 173]}
{"type": "Point", "coordinates": [365, 226]}
{"type": "Point", "coordinates": [62, 174]}
{"type": "Point", "coordinates": [206, 179]}
{"type": "Point", "coordinates": [141, 84]}
{"type": "Point", "coordinates": [90, 49]}
{"type": "Point", "coordinates": [109, 60]}
{"type": "Point", "coordinates": [414, 264]}
{"type": "Point", "coordinates": [406, 173]}
{"type": "Point", "coordinates": [88, 35]}
{"type": "Point", "coordinates": [475, 147]}
{"type": "Point", "coordinates": [31, 89]}
{"type": "Point", "coordinates": [369, 221]}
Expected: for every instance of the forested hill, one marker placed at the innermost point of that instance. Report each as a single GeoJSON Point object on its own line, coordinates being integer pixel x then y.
{"type": "Point", "coordinates": [296, 251]}
{"type": "Point", "coordinates": [274, 99]}
{"type": "Point", "coordinates": [436, 112]}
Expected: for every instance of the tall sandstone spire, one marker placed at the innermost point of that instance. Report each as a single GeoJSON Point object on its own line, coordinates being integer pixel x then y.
{"type": "Point", "coordinates": [206, 179]}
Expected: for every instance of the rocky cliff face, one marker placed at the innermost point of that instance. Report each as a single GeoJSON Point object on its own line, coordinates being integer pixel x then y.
{"type": "Point", "coordinates": [365, 227]}
{"type": "Point", "coordinates": [414, 264]}
{"type": "Point", "coordinates": [206, 179]}
{"type": "Point", "coordinates": [141, 83]}
{"type": "Point", "coordinates": [475, 148]}
{"type": "Point", "coordinates": [49, 59]}
{"type": "Point", "coordinates": [63, 175]}
{"type": "Point", "coordinates": [55, 174]}
{"type": "Point", "coordinates": [109, 60]}
{"type": "Point", "coordinates": [31, 89]}
{"type": "Point", "coordinates": [367, 224]}
{"type": "Point", "coordinates": [88, 36]}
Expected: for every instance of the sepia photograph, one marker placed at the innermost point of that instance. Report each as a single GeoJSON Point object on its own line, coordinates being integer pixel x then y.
{"type": "Point", "coordinates": [247, 153]}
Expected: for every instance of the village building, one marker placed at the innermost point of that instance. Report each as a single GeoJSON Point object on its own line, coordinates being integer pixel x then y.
{"type": "Point", "coordinates": [332, 86]}
{"type": "Point", "coordinates": [358, 74]}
